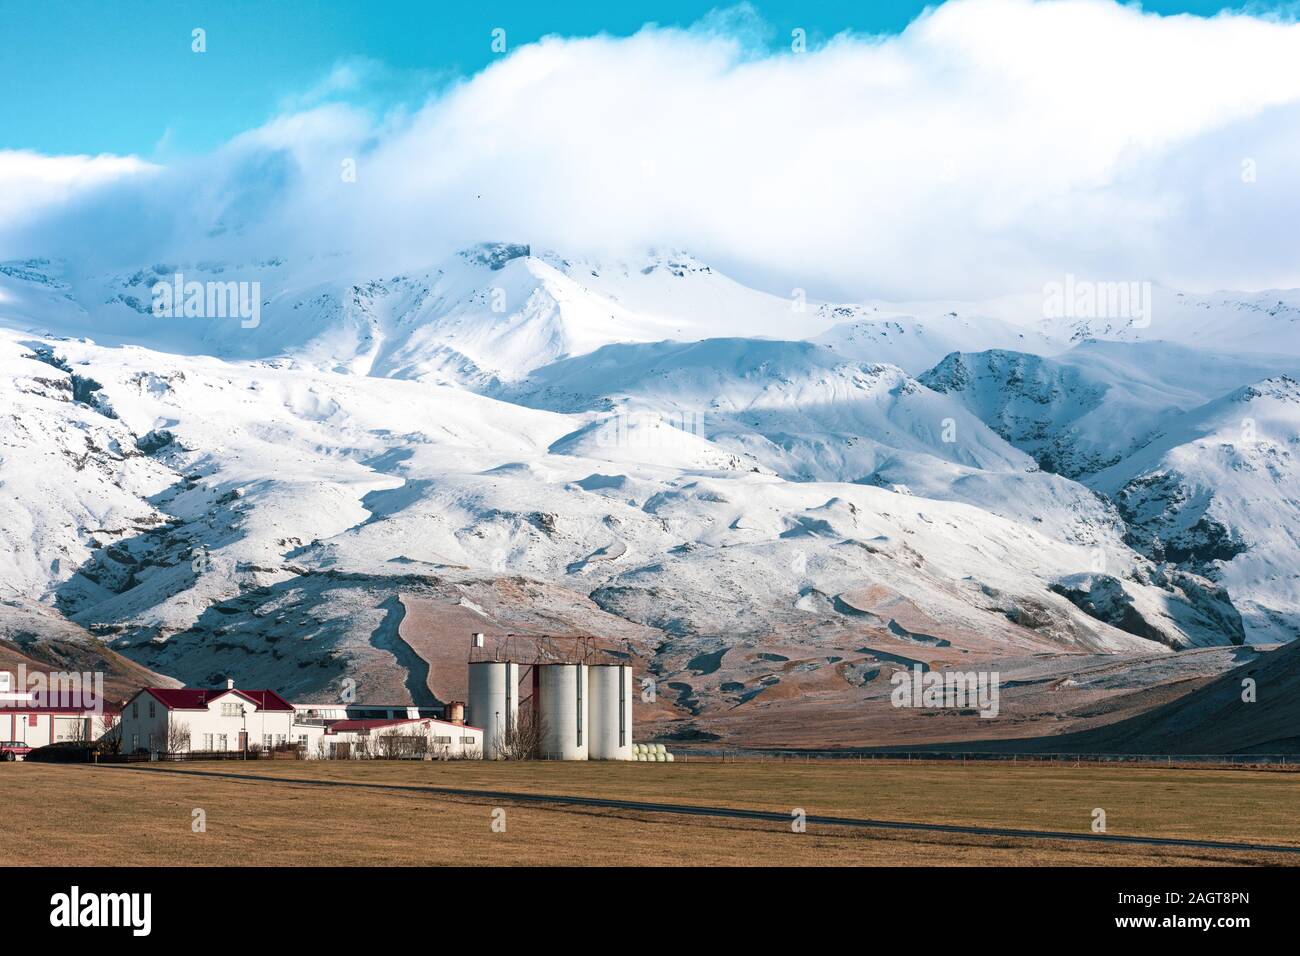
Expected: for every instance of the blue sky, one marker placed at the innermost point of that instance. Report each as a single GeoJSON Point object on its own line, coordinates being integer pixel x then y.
{"type": "Point", "coordinates": [89, 76]}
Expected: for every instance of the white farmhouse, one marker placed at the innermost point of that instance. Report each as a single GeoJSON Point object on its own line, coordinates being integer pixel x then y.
{"type": "Point", "coordinates": [178, 720]}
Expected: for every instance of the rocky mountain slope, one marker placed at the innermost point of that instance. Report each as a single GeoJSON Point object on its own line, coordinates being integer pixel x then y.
{"type": "Point", "coordinates": [1196, 450]}
{"type": "Point", "coordinates": [1087, 409]}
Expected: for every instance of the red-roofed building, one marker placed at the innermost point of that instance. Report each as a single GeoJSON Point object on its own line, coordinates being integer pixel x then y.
{"type": "Point", "coordinates": [40, 719]}
{"type": "Point", "coordinates": [186, 719]}
{"type": "Point", "coordinates": [38, 726]}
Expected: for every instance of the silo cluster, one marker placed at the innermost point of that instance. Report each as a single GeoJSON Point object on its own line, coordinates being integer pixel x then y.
{"type": "Point", "coordinates": [583, 711]}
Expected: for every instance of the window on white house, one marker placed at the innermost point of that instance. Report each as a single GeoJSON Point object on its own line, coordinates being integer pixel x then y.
{"type": "Point", "coordinates": [229, 709]}
{"type": "Point", "coordinates": [221, 742]}
{"type": "Point", "coordinates": [135, 708]}
{"type": "Point", "coordinates": [442, 740]}
{"type": "Point", "coordinates": [302, 739]}
{"type": "Point", "coordinates": [207, 741]}
{"type": "Point", "coordinates": [266, 741]}
{"type": "Point", "coordinates": [135, 742]}
{"type": "Point", "coordinates": [466, 740]}
{"type": "Point", "coordinates": [151, 711]}
{"type": "Point", "coordinates": [152, 748]}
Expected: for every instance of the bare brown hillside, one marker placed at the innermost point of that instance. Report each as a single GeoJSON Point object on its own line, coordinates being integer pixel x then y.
{"type": "Point", "coordinates": [1215, 719]}
{"type": "Point", "coordinates": [45, 641]}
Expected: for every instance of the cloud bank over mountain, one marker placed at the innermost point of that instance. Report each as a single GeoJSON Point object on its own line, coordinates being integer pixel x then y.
{"type": "Point", "coordinates": [991, 146]}
{"type": "Point", "coordinates": [32, 184]}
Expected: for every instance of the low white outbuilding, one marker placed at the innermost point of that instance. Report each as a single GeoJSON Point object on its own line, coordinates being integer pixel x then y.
{"type": "Point", "coordinates": [393, 737]}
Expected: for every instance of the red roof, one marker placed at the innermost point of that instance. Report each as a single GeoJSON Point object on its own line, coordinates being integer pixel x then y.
{"type": "Point", "coordinates": [194, 698]}
{"type": "Point", "coordinates": [335, 726]}
{"type": "Point", "coordinates": [15, 707]}
{"type": "Point", "coordinates": [267, 699]}
{"type": "Point", "coordinates": [371, 723]}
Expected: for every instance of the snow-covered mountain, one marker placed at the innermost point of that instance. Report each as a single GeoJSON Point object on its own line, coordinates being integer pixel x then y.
{"type": "Point", "coordinates": [1196, 449]}
{"type": "Point", "coordinates": [489, 313]}
{"type": "Point", "coordinates": [500, 310]}
{"type": "Point", "coordinates": [1255, 326]}
{"type": "Point", "coordinates": [1259, 323]}
{"type": "Point", "coordinates": [1094, 405]}
{"type": "Point", "coordinates": [1219, 492]}
{"type": "Point", "coordinates": [915, 342]}
{"type": "Point", "coordinates": [801, 412]}
{"type": "Point", "coordinates": [643, 448]}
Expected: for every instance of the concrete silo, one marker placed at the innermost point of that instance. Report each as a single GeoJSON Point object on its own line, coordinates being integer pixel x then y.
{"type": "Point", "coordinates": [610, 709]}
{"type": "Point", "coordinates": [563, 709]}
{"type": "Point", "coordinates": [493, 702]}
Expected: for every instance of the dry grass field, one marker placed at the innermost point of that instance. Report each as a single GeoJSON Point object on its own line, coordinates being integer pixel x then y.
{"type": "Point", "coordinates": [143, 815]}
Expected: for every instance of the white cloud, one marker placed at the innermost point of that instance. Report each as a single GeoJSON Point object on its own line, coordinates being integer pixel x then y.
{"type": "Point", "coordinates": [32, 184]}
{"type": "Point", "coordinates": [992, 145]}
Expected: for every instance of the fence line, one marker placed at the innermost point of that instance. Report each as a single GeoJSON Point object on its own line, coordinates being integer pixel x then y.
{"type": "Point", "coordinates": [182, 756]}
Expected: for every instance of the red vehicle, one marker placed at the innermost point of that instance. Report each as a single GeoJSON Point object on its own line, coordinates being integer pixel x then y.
{"type": "Point", "coordinates": [13, 749]}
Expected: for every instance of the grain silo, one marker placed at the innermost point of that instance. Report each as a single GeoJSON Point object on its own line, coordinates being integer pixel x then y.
{"type": "Point", "coordinates": [610, 710]}
{"type": "Point", "coordinates": [563, 710]}
{"type": "Point", "coordinates": [493, 702]}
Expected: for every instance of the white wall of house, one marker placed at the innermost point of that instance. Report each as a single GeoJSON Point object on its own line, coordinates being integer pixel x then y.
{"type": "Point", "coordinates": [309, 735]}
{"type": "Point", "coordinates": [457, 739]}
{"type": "Point", "coordinates": [144, 724]}
{"type": "Point", "coordinates": [32, 729]}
